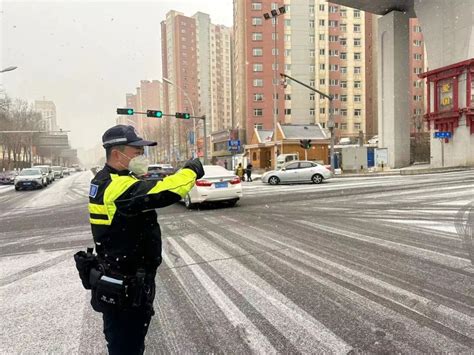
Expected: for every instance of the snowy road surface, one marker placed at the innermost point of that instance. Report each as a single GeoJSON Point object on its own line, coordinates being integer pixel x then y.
{"type": "Point", "coordinates": [361, 264]}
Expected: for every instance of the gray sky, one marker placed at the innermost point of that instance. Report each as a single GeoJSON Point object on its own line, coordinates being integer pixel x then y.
{"type": "Point", "coordinates": [85, 55]}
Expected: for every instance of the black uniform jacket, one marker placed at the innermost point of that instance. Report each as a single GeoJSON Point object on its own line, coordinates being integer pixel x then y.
{"type": "Point", "coordinates": [123, 218]}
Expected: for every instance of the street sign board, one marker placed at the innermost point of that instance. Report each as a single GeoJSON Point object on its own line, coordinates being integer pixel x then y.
{"type": "Point", "coordinates": [443, 135]}
{"type": "Point", "coordinates": [233, 145]}
{"type": "Point", "coordinates": [52, 141]}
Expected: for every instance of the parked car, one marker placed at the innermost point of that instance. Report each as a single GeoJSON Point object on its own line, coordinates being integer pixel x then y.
{"type": "Point", "coordinates": [49, 172]}
{"type": "Point", "coordinates": [298, 172]}
{"type": "Point", "coordinates": [30, 178]}
{"type": "Point", "coordinates": [8, 177]}
{"type": "Point", "coordinates": [217, 185]}
{"type": "Point", "coordinates": [159, 171]}
{"type": "Point", "coordinates": [66, 171]}
{"type": "Point", "coordinates": [58, 171]}
{"type": "Point", "coordinates": [373, 140]}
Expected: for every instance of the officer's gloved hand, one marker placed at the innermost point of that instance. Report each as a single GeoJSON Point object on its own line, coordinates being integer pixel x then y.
{"type": "Point", "coordinates": [196, 166]}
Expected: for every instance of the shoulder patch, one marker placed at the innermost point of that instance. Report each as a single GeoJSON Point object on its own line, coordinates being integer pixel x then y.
{"type": "Point", "coordinates": [93, 190]}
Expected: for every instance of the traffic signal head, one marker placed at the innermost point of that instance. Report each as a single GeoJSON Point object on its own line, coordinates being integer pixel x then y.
{"type": "Point", "coordinates": [183, 115]}
{"type": "Point", "coordinates": [153, 113]}
{"type": "Point", "coordinates": [305, 143]}
{"type": "Point", "coordinates": [125, 111]}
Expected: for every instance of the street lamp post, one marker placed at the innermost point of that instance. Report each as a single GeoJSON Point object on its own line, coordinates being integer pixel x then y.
{"type": "Point", "coordinates": [331, 116]}
{"type": "Point", "coordinates": [267, 16]}
{"type": "Point", "coordinates": [166, 80]}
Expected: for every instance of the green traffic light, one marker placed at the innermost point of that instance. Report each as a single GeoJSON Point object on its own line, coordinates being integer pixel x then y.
{"type": "Point", "coordinates": [187, 116]}
{"type": "Point", "coordinates": [159, 114]}
{"type": "Point", "coordinates": [130, 112]}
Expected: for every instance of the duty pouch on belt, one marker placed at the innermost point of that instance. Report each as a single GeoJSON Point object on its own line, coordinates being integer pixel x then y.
{"type": "Point", "coordinates": [108, 294]}
{"type": "Point", "coordinates": [85, 261]}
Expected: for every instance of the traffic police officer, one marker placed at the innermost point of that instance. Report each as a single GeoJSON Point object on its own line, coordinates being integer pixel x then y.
{"type": "Point", "coordinates": [127, 236]}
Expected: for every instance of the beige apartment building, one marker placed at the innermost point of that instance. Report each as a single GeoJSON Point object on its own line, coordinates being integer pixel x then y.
{"type": "Point", "coordinates": [47, 109]}
{"type": "Point", "coordinates": [197, 72]}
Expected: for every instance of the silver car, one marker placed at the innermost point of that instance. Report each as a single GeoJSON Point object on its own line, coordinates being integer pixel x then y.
{"type": "Point", "coordinates": [298, 171]}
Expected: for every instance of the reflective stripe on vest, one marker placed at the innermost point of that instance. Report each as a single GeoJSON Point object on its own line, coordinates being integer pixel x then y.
{"type": "Point", "coordinates": [180, 183]}
{"type": "Point", "coordinates": [98, 214]}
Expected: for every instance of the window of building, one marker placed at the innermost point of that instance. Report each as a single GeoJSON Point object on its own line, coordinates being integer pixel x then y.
{"type": "Point", "coordinates": [333, 67]}
{"type": "Point", "coordinates": [311, 23]}
{"type": "Point", "coordinates": [257, 82]}
{"type": "Point", "coordinates": [322, 110]}
{"type": "Point", "coordinates": [334, 111]}
{"type": "Point", "coordinates": [287, 38]}
{"type": "Point", "coordinates": [343, 83]}
{"type": "Point", "coordinates": [357, 98]}
{"type": "Point", "coordinates": [287, 97]}
{"type": "Point", "coordinates": [333, 82]}
{"type": "Point", "coordinates": [322, 37]}
{"type": "Point", "coordinates": [417, 111]}
{"type": "Point", "coordinates": [274, 21]}
{"type": "Point", "coordinates": [312, 83]}
{"type": "Point", "coordinates": [333, 23]}
{"type": "Point", "coordinates": [287, 22]}
{"type": "Point", "coordinates": [322, 51]}
{"type": "Point", "coordinates": [343, 70]}
{"type": "Point", "coordinates": [333, 52]}
{"type": "Point", "coordinates": [312, 68]}
{"type": "Point", "coordinates": [257, 36]}
{"type": "Point", "coordinates": [417, 70]}
{"type": "Point", "coordinates": [357, 112]}
{"type": "Point", "coordinates": [311, 111]}
{"type": "Point", "coordinates": [417, 29]}
{"type": "Point", "coordinates": [311, 96]}
{"type": "Point", "coordinates": [356, 28]}
{"type": "Point", "coordinates": [343, 27]}
{"type": "Point", "coordinates": [275, 66]}
{"type": "Point", "coordinates": [333, 38]}
{"type": "Point", "coordinates": [311, 39]}
{"type": "Point", "coordinates": [333, 9]}
{"type": "Point", "coordinates": [343, 12]}
{"type": "Point", "coordinates": [322, 82]}
{"type": "Point", "coordinates": [275, 96]}
{"type": "Point", "coordinates": [258, 126]}
{"type": "Point", "coordinates": [417, 84]}
{"type": "Point", "coordinates": [311, 9]}
{"type": "Point", "coordinates": [311, 53]}
{"type": "Point", "coordinates": [257, 52]}
{"type": "Point", "coordinates": [287, 111]}
{"type": "Point", "coordinates": [357, 126]}
{"type": "Point", "coordinates": [257, 67]}
{"type": "Point", "coordinates": [257, 97]}
{"type": "Point", "coordinates": [274, 35]}
{"type": "Point", "coordinates": [287, 67]}
{"type": "Point", "coordinates": [343, 41]}
{"type": "Point", "coordinates": [417, 56]}
{"type": "Point", "coordinates": [275, 51]}
{"type": "Point", "coordinates": [356, 13]}
{"type": "Point", "coordinates": [321, 23]}
{"type": "Point", "coordinates": [357, 84]}
{"type": "Point", "coordinates": [256, 6]}
{"type": "Point", "coordinates": [321, 7]}
{"type": "Point", "coordinates": [357, 70]}
{"type": "Point", "coordinates": [417, 42]}
{"type": "Point", "coordinates": [256, 21]}
{"type": "Point", "coordinates": [343, 55]}
{"type": "Point", "coordinates": [287, 52]}
{"type": "Point", "coordinates": [357, 42]}
{"type": "Point", "coordinates": [258, 112]}
{"type": "Point", "coordinates": [357, 56]}
{"type": "Point", "coordinates": [343, 98]}
{"type": "Point", "coordinates": [343, 126]}
{"type": "Point", "coordinates": [416, 97]}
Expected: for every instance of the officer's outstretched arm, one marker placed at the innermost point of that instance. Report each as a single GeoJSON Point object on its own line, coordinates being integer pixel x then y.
{"type": "Point", "coordinates": [145, 195]}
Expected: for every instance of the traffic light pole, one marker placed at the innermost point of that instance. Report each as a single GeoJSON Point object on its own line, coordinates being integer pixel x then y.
{"type": "Point", "coordinates": [331, 117]}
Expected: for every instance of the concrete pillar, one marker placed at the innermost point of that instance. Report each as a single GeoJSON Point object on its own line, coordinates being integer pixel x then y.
{"type": "Point", "coordinates": [393, 76]}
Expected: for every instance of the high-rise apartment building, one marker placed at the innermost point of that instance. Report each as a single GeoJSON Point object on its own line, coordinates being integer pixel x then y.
{"type": "Point", "coordinates": [47, 109]}
{"type": "Point", "coordinates": [318, 43]}
{"type": "Point", "coordinates": [197, 63]}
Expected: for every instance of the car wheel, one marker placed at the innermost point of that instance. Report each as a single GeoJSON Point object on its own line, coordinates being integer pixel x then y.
{"type": "Point", "coordinates": [273, 180]}
{"type": "Point", "coordinates": [17, 188]}
{"type": "Point", "coordinates": [187, 202]}
{"type": "Point", "coordinates": [317, 179]}
{"type": "Point", "coordinates": [232, 203]}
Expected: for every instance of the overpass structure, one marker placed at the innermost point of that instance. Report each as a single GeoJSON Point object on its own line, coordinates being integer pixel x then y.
{"type": "Point", "coordinates": [448, 30]}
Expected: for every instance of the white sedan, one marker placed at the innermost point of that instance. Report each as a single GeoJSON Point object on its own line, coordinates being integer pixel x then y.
{"type": "Point", "coordinates": [217, 185]}
{"type": "Point", "coordinates": [297, 171]}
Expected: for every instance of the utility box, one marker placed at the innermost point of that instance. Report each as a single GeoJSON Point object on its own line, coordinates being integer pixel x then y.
{"type": "Point", "coordinates": [354, 158]}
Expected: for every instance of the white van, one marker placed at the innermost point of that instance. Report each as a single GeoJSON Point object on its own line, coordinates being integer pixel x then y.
{"type": "Point", "coordinates": [285, 158]}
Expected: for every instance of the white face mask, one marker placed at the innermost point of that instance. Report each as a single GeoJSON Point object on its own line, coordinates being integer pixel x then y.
{"type": "Point", "coordinates": [138, 165]}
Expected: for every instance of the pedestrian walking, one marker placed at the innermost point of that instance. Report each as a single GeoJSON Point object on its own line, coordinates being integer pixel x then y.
{"type": "Point", "coordinates": [249, 172]}
{"type": "Point", "coordinates": [240, 172]}
{"type": "Point", "coordinates": [127, 237]}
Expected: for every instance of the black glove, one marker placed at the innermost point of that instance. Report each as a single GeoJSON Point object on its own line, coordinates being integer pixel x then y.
{"type": "Point", "coordinates": [196, 166]}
